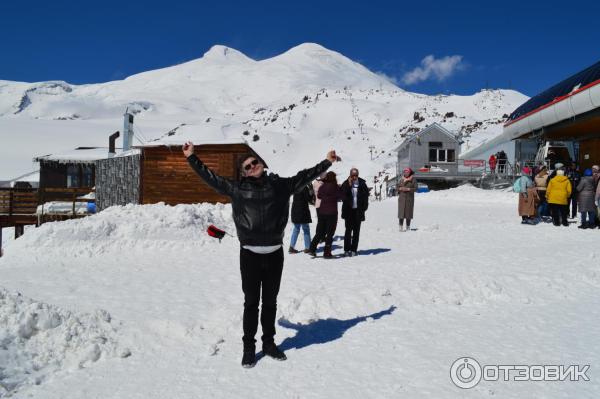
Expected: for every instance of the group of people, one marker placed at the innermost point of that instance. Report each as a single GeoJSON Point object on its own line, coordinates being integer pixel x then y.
{"type": "Point", "coordinates": [498, 159]}
{"type": "Point", "coordinates": [556, 196]}
{"type": "Point", "coordinates": [325, 193]}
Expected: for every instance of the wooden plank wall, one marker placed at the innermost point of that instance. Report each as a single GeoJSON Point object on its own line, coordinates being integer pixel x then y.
{"type": "Point", "coordinates": [167, 176]}
{"type": "Point", "coordinates": [591, 148]}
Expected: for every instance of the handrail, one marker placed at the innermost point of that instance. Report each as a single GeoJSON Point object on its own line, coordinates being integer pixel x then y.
{"type": "Point", "coordinates": [24, 201]}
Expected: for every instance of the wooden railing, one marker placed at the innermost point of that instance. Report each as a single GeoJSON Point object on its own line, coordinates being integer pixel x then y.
{"type": "Point", "coordinates": [64, 195]}
{"type": "Point", "coordinates": [24, 201]}
{"type": "Point", "coordinates": [18, 201]}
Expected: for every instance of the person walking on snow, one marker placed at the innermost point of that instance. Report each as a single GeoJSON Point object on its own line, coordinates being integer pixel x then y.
{"type": "Point", "coordinates": [301, 217]}
{"type": "Point", "coordinates": [406, 198]}
{"type": "Point", "coordinates": [355, 203]}
{"type": "Point", "coordinates": [260, 205]}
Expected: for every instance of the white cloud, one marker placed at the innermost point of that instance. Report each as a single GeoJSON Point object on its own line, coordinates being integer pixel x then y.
{"type": "Point", "coordinates": [440, 69]}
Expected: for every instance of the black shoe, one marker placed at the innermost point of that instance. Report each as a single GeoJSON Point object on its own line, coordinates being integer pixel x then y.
{"type": "Point", "coordinates": [273, 351]}
{"type": "Point", "coordinates": [292, 250]}
{"type": "Point", "coordinates": [249, 358]}
{"type": "Point", "coordinates": [583, 226]}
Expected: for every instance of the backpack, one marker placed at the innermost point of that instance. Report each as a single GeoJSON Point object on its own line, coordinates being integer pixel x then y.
{"type": "Point", "coordinates": [517, 185]}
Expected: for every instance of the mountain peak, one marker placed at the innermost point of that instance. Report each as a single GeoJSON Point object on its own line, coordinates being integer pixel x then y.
{"type": "Point", "coordinates": [220, 52]}
{"type": "Point", "coordinates": [312, 50]}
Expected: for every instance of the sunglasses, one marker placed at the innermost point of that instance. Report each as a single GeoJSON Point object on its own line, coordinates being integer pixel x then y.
{"type": "Point", "coordinates": [353, 176]}
{"type": "Point", "coordinates": [249, 166]}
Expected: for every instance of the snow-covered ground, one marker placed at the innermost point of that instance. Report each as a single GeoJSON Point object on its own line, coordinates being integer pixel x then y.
{"type": "Point", "coordinates": [138, 302]}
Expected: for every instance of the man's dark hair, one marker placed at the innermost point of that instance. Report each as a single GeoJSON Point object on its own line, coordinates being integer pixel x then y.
{"type": "Point", "coordinates": [242, 158]}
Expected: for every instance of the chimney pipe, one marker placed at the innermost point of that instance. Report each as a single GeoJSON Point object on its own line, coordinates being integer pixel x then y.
{"type": "Point", "coordinates": [111, 144]}
{"type": "Point", "coordinates": [127, 130]}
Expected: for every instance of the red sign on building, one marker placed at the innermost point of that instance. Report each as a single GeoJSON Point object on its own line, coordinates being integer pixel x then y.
{"type": "Point", "coordinates": [479, 163]}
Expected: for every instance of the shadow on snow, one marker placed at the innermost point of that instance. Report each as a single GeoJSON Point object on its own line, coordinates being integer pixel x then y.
{"type": "Point", "coordinates": [323, 330]}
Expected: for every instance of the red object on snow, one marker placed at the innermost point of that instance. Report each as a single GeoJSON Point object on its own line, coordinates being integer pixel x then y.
{"type": "Point", "coordinates": [216, 232]}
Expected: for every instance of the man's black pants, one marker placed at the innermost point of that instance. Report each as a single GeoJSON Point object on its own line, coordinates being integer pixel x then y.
{"type": "Point", "coordinates": [352, 231]}
{"type": "Point", "coordinates": [260, 270]}
{"type": "Point", "coordinates": [559, 214]}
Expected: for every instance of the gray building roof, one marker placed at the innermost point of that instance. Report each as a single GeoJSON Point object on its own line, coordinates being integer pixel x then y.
{"type": "Point", "coordinates": [425, 131]}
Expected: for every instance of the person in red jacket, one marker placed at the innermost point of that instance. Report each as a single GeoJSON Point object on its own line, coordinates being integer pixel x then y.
{"type": "Point", "coordinates": [492, 163]}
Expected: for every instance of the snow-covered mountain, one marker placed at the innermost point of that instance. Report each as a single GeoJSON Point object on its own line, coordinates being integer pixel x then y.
{"type": "Point", "coordinates": [292, 108]}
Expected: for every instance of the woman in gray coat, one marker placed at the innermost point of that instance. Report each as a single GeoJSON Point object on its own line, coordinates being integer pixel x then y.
{"type": "Point", "coordinates": [586, 200]}
{"type": "Point", "coordinates": [407, 186]}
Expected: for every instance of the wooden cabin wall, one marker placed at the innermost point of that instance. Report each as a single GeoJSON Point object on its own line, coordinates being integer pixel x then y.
{"type": "Point", "coordinates": [167, 176]}
{"type": "Point", "coordinates": [591, 148]}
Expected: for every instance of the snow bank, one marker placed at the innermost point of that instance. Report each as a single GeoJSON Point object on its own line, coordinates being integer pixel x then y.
{"type": "Point", "coordinates": [129, 227]}
{"type": "Point", "coordinates": [37, 340]}
{"type": "Point", "coordinates": [470, 194]}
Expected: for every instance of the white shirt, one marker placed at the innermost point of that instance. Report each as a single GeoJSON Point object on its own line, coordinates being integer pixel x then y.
{"type": "Point", "coordinates": [355, 195]}
{"type": "Point", "coordinates": [262, 250]}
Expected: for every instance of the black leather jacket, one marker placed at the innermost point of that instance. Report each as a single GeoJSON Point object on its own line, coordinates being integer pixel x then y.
{"type": "Point", "coordinates": [260, 205]}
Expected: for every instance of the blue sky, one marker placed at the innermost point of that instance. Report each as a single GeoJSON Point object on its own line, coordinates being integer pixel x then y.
{"type": "Point", "coordinates": [458, 46]}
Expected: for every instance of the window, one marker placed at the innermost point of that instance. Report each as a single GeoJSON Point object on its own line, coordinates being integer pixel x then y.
{"type": "Point", "coordinates": [433, 155]}
{"type": "Point", "coordinates": [88, 176]}
{"type": "Point", "coordinates": [435, 144]}
{"type": "Point", "coordinates": [73, 176]}
{"type": "Point", "coordinates": [450, 157]}
{"type": "Point", "coordinates": [439, 155]}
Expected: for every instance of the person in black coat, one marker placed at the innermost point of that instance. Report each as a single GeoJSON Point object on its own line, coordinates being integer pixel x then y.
{"type": "Point", "coordinates": [301, 217]}
{"type": "Point", "coordinates": [355, 203]}
{"type": "Point", "coordinates": [260, 204]}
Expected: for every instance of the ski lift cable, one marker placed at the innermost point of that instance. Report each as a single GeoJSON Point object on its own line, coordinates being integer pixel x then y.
{"type": "Point", "coordinates": [139, 135]}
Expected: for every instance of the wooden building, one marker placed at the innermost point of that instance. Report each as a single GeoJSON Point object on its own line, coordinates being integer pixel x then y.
{"type": "Point", "coordinates": [159, 172]}
{"type": "Point", "coordinates": [70, 169]}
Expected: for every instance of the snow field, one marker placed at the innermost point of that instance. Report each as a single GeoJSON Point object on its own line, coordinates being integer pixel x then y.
{"type": "Point", "coordinates": [470, 281]}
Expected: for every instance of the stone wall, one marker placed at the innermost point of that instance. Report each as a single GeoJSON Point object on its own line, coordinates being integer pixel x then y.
{"type": "Point", "coordinates": [118, 181]}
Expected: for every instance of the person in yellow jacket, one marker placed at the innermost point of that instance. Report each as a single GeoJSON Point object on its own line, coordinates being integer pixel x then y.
{"type": "Point", "coordinates": [558, 192]}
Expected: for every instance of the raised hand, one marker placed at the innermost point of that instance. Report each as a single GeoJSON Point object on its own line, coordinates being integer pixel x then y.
{"type": "Point", "coordinates": [332, 157]}
{"type": "Point", "coordinates": [188, 148]}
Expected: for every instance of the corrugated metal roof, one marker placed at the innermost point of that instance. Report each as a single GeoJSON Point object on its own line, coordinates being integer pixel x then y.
{"type": "Point", "coordinates": [82, 155]}
{"type": "Point", "coordinates": [567, 86]}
